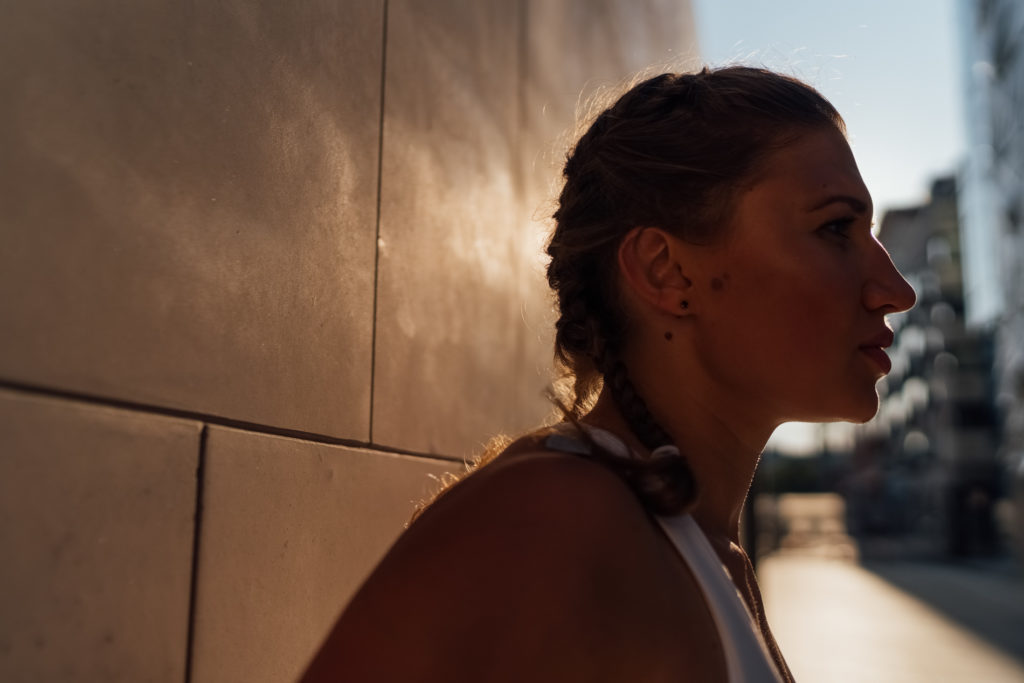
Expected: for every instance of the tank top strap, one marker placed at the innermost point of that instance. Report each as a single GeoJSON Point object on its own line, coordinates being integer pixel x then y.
{"type": "Point", "coordinates": [746, 653]}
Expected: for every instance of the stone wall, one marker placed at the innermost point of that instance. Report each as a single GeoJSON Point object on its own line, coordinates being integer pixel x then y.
{"type": "Point", "coordinates": [265, 267]}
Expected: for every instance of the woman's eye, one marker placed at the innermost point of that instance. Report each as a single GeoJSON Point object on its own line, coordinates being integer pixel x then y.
{"type": "Point", "coordinates": [838, 228]}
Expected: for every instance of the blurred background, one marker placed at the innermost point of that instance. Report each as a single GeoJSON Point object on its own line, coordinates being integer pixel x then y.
{"type": "Point", "coordinates": [269, 271]}
{"type": "Point", "coordinates": [892, 550]}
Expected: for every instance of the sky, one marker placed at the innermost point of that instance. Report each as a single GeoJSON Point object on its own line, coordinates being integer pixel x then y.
{"type": "Point", "coordinates": [891, 67]}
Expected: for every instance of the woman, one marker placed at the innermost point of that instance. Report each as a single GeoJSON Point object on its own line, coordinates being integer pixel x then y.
{"type": "Point", "coordinates": [716, 276]}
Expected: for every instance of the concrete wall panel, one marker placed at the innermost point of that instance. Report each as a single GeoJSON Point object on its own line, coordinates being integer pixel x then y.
{"type": "Point", "coordinates": [581, 53]}
{"type": "Point", "coordinates": [189, 203]}
{"type": "Point", "coordinates": [97, 511]}
{"type": "Point", "coordinates": [289, 530]}
{"type": "Point", "coordinates": [456, 253]}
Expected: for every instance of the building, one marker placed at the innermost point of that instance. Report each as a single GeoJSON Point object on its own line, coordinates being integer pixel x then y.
{"type": "Point", "coordinates": [927, 467]}
{"type": "Point", "coordinates": [992, 215]}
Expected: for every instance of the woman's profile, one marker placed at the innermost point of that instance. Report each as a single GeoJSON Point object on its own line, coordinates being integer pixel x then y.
{"type": "Point", "coordinates": [716, 275]}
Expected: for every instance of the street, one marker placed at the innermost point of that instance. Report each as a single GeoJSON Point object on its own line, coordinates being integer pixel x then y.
{"type": "Point", "coordinates": [838, 619]}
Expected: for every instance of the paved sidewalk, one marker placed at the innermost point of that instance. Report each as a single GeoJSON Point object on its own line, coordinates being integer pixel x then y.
{"type": "Point", "coordinates": [896, 622]}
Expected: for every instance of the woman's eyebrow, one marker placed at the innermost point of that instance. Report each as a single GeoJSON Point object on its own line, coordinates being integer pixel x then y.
{"type": "Point", "coordinates": [856, 204]}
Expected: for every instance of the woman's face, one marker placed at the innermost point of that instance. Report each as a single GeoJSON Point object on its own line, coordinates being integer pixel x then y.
{"type": "Point", "coordinates": [791, 317]}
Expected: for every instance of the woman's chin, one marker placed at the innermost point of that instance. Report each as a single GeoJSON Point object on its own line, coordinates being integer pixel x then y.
{"type": "Point", "coordinates": [863, 411]}
{"type": "Point", "coordinates": [858, 410]}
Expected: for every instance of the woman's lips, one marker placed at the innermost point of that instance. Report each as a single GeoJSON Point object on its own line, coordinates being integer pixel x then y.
{"type": "Point", "coordinates": [879, 356]}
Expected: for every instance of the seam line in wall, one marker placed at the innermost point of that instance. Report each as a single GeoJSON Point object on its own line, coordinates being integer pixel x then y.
{"type": "Point", "coordinates": [522, 74]}
{"type": "Point", "coordinates": [196, 531]}
{"type": "Point", "coordinates": [215, 420]}
{"type": "Point", "coordinates": [376, 237]}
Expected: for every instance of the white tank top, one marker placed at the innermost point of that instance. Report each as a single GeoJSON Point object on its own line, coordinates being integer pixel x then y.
{"type": "Point", "coordinates": [747, 658]}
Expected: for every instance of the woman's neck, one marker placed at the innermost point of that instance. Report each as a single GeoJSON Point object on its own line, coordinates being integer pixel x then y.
{"type": "Point", "coordinates": [722, 463]}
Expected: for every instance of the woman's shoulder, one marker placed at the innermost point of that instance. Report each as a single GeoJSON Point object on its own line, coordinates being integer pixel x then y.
{"type": "Point", "coordinates": [539, 553]}
{"type": "Point", "coordinates": [562, 509]}
{"type": "Point", "coordinates": [530, 480]}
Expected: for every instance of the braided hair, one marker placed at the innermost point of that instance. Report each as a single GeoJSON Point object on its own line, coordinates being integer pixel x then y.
{"type": "Point", "coordinates": [671, 153]}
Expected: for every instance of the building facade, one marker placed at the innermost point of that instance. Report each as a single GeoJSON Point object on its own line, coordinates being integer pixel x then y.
{"type": "Point", "coordinates": [992, 215]}
{"type": "Point", "coordinates": [928, 467]}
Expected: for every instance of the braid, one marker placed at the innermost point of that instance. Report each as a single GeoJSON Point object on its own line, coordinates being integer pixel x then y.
{"type": "Point", "coordinates": [587, 340]}
{"type": "Point", "coordinates": [664, 482]}
{"type": "Point", "coordinates": [634, 409]}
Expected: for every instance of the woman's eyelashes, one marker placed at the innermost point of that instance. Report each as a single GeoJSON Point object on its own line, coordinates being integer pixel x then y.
{"type": "Point", "coordinates": [838, 229]}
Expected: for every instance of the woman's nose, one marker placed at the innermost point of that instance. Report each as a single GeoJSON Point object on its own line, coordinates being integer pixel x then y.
{"type": "Point", "coordinates": [885, 289]}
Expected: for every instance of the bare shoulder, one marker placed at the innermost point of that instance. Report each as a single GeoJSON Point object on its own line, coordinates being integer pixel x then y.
{"type": "Point", "coordinates": [540, 566]}
{"type": "Point", "coordinates": [563, 491]}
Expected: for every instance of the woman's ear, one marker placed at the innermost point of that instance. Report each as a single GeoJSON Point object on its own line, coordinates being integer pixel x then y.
{"type": "Point", "coordinates": [649, 260]}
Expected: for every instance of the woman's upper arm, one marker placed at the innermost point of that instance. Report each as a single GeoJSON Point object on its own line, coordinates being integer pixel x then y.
{"type": "Point", "coordinates": [533, 569]}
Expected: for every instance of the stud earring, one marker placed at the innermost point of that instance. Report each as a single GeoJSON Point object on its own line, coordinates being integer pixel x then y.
{"type": "Point", "coordinates": [684, 304]}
